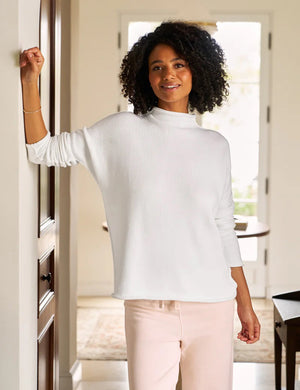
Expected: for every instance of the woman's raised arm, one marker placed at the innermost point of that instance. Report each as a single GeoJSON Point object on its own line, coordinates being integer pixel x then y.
{"type": "Point", "coordinates": [31, 62]}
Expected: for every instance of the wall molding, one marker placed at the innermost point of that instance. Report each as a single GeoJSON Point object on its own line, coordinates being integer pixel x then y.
{"type": "Point", "coordinates": [72, 379]}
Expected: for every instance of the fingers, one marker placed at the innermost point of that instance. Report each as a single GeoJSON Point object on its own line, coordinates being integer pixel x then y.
{"type": "Point", "coordinates": [251, 334]}
{"type": "Point", "coordinates": [242, 336]}
{"type": "Point", "coordinates": [31, 55]}
{"type": "Point", "coordinates": [257, 330]}
{"type": "Point", "coordinates": [255, 335]}
{"type": "Point", "coordinates": [34, 50]}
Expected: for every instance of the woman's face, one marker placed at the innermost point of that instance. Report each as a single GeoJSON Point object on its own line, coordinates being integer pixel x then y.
{"type": "Point", "coordinates": [170, 78]}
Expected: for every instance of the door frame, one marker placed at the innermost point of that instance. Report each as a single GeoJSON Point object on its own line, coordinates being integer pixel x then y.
{"type": "Point", "coordinates": [48, 228]}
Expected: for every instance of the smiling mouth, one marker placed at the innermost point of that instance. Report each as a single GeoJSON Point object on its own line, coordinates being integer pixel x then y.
{"type": "Point", "coordinates": [170, 86]}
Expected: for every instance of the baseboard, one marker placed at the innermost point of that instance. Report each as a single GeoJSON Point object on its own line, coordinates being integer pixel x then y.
{"type": "Point", "coordinates": [71, 380]}
{"type": "Point", "coordinates": [76, 372]}
{"type": "Point", "coordinates": [85, 289]}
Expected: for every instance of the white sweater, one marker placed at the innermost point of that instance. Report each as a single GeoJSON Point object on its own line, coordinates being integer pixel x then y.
{"type": "Point", "coordinates": [166, 187]}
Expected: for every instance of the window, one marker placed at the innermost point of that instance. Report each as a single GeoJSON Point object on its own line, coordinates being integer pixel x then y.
{"type": "Point", "coordinates": [238, 119]}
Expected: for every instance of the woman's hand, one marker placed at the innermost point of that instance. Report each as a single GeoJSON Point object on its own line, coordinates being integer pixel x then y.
{"type": "Point", "coordinates": [250, 331]}
{"type": "Point", "coordinates": [31, 63]}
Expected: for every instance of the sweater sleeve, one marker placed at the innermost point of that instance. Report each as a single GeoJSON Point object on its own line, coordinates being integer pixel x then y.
{"type": "Point", "coordinates": [64, 149]}
{"type": "Point", "coordinates": [225, 220]}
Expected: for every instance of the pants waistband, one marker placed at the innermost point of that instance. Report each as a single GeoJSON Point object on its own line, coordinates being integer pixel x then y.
{"type": "Point", "coordinates": [175, 304]}
{"type": "Point", "coordinates": [161, 304]}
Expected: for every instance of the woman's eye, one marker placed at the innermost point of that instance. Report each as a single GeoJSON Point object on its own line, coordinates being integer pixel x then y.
{"type": "Point", "coordinates": [179, 65]}
{"type": "Point", "coordinates": [156, 68]}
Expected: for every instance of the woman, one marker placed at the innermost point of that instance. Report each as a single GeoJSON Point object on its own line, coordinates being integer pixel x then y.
{"type": "Point", "coordinates": [166, 186]}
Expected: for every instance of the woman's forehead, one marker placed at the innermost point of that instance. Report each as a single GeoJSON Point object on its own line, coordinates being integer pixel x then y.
{"type": "Point", "coordinates": [162, 52]}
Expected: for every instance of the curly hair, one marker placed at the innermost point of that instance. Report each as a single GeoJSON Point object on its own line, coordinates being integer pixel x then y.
{"type": "Point", "coordinates": [193, 44]}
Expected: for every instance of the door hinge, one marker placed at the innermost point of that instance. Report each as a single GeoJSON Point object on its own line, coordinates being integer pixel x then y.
{"type": "Point", "coordinates": [266, 257]}
{"type": "Point", "coordinates": [270, 41]}
{"type": "Point", "coordinates": [268, 114]}
{"type": "Point", "coordinates": [119, 40]}
{"type": "Point", "coordinates": [267, 186]}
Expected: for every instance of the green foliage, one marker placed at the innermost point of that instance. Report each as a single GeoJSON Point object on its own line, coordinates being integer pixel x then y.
{"type": "Point", "coordinates": [245, 193]}
{"type": "Point", "coordinates": [246, 209]}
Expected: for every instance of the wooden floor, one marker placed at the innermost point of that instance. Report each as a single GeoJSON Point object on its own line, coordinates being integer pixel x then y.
{"type": "Point", "coordinates": [112, 375]}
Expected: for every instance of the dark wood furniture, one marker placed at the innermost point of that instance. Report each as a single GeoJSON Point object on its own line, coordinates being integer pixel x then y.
{"type": "Point", "coordinates": [286, 331]}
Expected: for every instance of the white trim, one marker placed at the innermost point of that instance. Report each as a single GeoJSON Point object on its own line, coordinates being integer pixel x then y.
{"type": "Point", "coordinates": [125, 19]}
{"type": "Point", "coordinates": [73, 378]}
{"type": "Point", "coordinates": [76, 372]}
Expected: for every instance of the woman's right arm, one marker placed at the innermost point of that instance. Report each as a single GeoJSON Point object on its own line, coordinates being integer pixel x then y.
{"type": "Point", "coordinates": [31, 62]}
{"type": "Point", "coordinates": [64, 149]}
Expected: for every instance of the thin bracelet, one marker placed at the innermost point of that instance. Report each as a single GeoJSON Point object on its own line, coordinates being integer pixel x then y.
{"type": "Point", "coordinates": [32, 112]}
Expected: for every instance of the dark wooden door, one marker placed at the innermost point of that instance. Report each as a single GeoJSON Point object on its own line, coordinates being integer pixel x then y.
{"type": "Point", "coordinates": [47, 227]}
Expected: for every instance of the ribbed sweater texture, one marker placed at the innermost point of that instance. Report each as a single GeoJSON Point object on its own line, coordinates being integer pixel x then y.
{"type": "Point", "coordinates": [167, 193]}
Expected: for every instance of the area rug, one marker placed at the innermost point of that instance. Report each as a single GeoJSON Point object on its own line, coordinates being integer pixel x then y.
{"type": "Point", "coordinates": [101, 336]}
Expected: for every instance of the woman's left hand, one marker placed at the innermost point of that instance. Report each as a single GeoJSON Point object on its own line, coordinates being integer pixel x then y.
{"type": "Point", "coordinates": [250, 331]}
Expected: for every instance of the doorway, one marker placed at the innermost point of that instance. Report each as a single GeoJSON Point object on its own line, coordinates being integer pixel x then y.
{"type": "Point", "coordinates": [244, 120]}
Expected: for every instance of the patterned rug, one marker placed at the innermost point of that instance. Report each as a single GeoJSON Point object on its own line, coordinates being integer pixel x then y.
{"type": "Point", "coordinates": [101, 336]}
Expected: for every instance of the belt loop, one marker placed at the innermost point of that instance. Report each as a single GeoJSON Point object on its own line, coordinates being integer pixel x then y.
{"type": "Point", "coordinates": [161, 304]}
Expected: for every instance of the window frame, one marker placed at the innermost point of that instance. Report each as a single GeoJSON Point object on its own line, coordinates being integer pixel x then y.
{"type": "Point", "coordinates": [256, 272]}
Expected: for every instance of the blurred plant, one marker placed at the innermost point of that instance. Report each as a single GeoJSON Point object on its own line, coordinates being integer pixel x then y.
{"type": "Point", "coordinates": [245, 198]}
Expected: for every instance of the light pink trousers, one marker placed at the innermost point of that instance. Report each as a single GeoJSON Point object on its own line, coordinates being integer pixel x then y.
{"type": "Point", "coordinates": [162, 334]}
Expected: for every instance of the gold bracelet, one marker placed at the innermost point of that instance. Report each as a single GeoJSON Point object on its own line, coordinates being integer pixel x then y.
{"type": "Point", "coordinates": [32, 112]}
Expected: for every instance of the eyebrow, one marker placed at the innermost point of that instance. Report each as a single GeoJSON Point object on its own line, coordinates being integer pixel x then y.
{"type": "Point", "coordinates": [160, 61]}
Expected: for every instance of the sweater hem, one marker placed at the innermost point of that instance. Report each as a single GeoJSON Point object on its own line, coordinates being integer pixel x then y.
{"type": "Point", "coordinates": [173, 298]}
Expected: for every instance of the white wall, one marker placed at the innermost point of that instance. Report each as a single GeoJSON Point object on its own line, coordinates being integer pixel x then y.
{"type": "Point", "coordinates": [18, 196]}
{"type": "Point", "coordinates": [97, 92]}
{"type": "Point", "coordinates": [19, 29]}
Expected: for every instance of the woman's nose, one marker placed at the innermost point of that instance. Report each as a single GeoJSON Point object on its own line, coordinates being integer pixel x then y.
{"type": "Point", "coordinates": [168, 74]}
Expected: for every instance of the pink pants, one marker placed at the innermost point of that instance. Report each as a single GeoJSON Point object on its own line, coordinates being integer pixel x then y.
{"type": "Point", "coordinates": [162, 334]}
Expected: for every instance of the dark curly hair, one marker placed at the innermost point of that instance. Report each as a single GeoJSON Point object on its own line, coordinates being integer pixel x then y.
{"type": "Point", "coordinates": [195, 45]}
